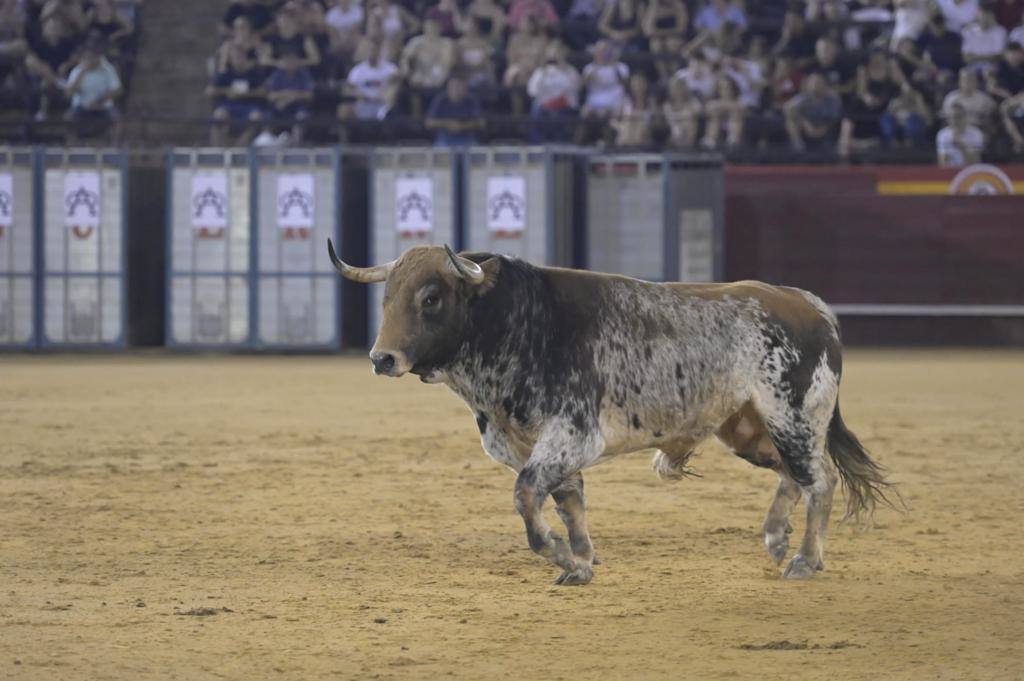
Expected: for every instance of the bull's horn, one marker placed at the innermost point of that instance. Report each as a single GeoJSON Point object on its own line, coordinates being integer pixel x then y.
{"type": "Point", "coordinates": [465, 268]}
{"type": "Point", "coordinates": [365, 275]}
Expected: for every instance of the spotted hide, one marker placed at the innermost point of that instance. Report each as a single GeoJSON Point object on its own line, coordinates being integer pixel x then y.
{"type": "Point", "coordinates": [564, 369]}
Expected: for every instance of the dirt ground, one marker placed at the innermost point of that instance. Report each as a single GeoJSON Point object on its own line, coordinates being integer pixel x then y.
{"type": "Point", "coordinates": [296, 518]}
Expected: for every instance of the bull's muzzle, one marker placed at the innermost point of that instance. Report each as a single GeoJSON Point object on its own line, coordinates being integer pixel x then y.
{"type": "Point", "coordinates": [388, 362]}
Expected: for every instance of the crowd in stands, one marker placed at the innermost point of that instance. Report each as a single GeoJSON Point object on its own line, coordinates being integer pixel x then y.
{"type": "Point", "coordinates": [66, 60]}
{"type": "Point", "coordinates": [836, 77]}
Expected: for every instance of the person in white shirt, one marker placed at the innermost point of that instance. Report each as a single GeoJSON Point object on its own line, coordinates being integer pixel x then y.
{"type": "Point", "coordinates": [605, 80]}
{"type": "Point", "coordinates": [554, 88]}
{"type": "Point", "coordinates": [984, 40]}
{"type": "Point", "coordinates": [958, 13]}
{"type": "Point", "coordinates": [978, 105]}
{"type": "Point", "coordinates": [698, 77]}
{"type": "Point", "coordinates": [959, 143]}
{"type": "Point", "coordinates": [911, 17]}
{"type": "Point", "coordinates": [372, 84]}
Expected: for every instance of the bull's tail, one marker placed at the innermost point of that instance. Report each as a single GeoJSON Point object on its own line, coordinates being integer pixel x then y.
{"type": "Point", "coordinates": [863, 479]}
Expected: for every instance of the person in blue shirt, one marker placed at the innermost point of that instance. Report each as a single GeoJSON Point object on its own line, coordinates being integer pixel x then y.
{"type": "Point", "coordinates": [290, 92]}
{"type": "Point", "coordinates": [454, 115]}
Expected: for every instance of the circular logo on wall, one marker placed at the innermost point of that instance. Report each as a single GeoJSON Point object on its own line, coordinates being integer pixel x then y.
{"type": "Point", "coordinates": [981, 180]}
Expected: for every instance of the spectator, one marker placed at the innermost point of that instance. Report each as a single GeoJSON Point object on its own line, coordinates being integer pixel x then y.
{"type": "Point", "coordinates": [941, 48]}
{"type": "Point", "coordinates": [13, 48]}
{"type": "Point", "coordinates": [812, 116]}
{"type": "Point", "coordinates": [1008, 12]}
{"type": "Point", "coordinates": [977, 105]}
{"type": "Point", "coordinates": [454, 115]}
{"type": "Point", "coordinates": [426, 63]}
{"type": "Point", "coordinates": [526, 52]}
{"type": "Point", "coordinates": [983, 41]}
{"type": "Point", "coordinates": [372, 84]}
{"type": "Point", "coordinates": [725, 113]}
{"type": "Point", "coordinates": [958, 13]}
{"type": "Point", "coordinates": [490, 19]}
{"type": "Point", "coordinates": [106, 21]}
{"type": "Point", "coordinates": [312, 20]}
{"type": "Point", "coordinates": [288, 38]}
{"type": "Point", "coordinates": [839, 74]}
{"type": "Point", "coordinates": [448, 16]}
{"type": "Point", "coordinates": [665, 23]}
{"type": "Point", "coordinates": [290, 92]}
{"type": "Point", "coordinates": [716, 13]}
{"type": "Point", "coordinates": [395, 23]}
{"type": "Point", "coordinates": [237, 89]}
{"type": "Point", "coordinates": [698, 76]}
{"type": "Point", "coordinates": [911, 17]}
{"type": "Point", "coordinates": [345, 23]}
{"type": "Point", "coordinates": [49, 59]}
{"type": "Point", "coordinates": [72, 13]}
{"type": "Point", "coordinates": [877, 83]}
{"type": "Point", "coordinates": [1007, 78]}
{"type": "Point", "coordinates": [682, 114]}
{"type": "Point", "coordinates": [1012, 111]}
{"type": "Point", "coordinates": [476, 59]}
{"type": "Point", "coordinates": [241, 38]}
{"type": "Point", "coordinates": [554, 88]}
{"type": "Point", "coordinates": [1017, 34]}
{"type": "Point", "coordinates": [634, 119]}
{"type": "Point", "coordinates": [255, 12]}
{"type": "Point", "coordinates": [797, 40]}
{"type": "Point", "coordinates": [542, 11]}
{"type": "Point", "coordinates": [621, 23]}
{"type": "Point", "coordinates": [906, 119]}
{"type": "Point", "coordinates": [960, 143]}
{"type": "Point", "coordinates": [605, 82]}
{"type": "Point", "coordinates": [93, 86]}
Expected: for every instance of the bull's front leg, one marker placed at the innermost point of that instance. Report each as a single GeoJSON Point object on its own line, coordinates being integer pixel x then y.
{"type": "Point", "coordinates": [573, 512]}
{"type": "Point", "coordinates": [552, 464]}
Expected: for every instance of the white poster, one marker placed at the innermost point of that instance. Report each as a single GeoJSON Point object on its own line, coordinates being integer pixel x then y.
{"type": "Point", "coordinates": [82, 202]}
{"type": "Point", "coordinates": [6, 202]}
{"type": "Point", "coordinates": [506, 204]}
{"type": "Point", "coordinates": [295, 204]}
{"type": "Point", "coordinates": [414, 205]}
{"type": "Point", "coordinates": [210, 201]}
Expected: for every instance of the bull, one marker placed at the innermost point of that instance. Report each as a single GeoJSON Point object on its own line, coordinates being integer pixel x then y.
{"type": "Point", "coordinates": [564, 369]}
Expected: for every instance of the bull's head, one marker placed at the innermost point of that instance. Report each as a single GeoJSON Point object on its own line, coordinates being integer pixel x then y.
{"type": "Point", "coordinates": [426, 306]}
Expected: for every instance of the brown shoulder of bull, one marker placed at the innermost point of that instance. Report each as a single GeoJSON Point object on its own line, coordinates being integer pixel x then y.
{"type": "Point", "coordinates": [566, 368]}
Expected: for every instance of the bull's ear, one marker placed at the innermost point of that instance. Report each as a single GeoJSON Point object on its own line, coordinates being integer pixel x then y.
{"type": "Point", "coordinates": [491, 266]}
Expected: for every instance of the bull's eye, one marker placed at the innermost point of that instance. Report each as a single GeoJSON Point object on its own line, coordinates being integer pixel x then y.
{"type": "Point", "coordinates": [430, 300]}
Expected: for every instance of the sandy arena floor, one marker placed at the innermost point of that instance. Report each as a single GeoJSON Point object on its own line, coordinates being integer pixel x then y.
{"type": "Point", "coordinates": [297, 518]}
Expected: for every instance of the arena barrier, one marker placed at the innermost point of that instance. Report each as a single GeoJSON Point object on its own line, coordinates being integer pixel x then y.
{"type": "Point", "coordinates": [210, 203]}
{"type": "Point", "coordinates": [413, 202]}
{"type": "Point", "coordinates": [18, 322]}
{"type": "Point", "coordinates": [654, 216]}
{"type": "Point", "coordinates": [521, 201]}
{"type": "Point", "coordinates": [83, 205]}
{"type": "Point", "coordinates": [298, 207]}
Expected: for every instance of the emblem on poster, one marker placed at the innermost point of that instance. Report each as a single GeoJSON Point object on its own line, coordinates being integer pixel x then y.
{"type": "Point", "coordinates": [414, 206]}
{"type": "Point", "coordinates": [210, 205]}
{"type": "Point", "coordinates": [506, 206]}
{"type": "Point", "coordinates": [296, 204]}
{"type": "Point", "coordinates": [6, 203]}
{"type": "Point", "coordinates": [82, 203]}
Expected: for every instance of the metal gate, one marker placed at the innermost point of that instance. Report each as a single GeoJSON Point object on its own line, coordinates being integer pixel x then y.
{"type": "Point", "coordinates": [412, 203]}
{"type": "Point", "coordinates": [209, 205]}
{"type": "Point", "coordinates": [17, 248]}
{"type": "Point", "coordinates": [298, 208]}
{"type": "Point", "coordinates": [83, 232]}
{"type": "Point", "coordinates": [656, 217]}
{"type": "Point", "coordinates": [519, 201]}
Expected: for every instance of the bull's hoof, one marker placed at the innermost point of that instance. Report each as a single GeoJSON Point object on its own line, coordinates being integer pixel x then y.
{"type": "Point", "coordinates": [777, 547]}
{"type": "Point", "coordinates": [799, 568]}
{"type": "Point", "coordinates": [579, 576]}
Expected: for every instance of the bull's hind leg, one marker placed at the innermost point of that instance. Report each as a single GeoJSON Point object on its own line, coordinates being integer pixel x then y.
{"type": "Point", "coordinates": [745, 433]}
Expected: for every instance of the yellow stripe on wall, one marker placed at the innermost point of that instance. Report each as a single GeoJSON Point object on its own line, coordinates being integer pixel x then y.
{"type": "Point", "coordinates": [926, 188]}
